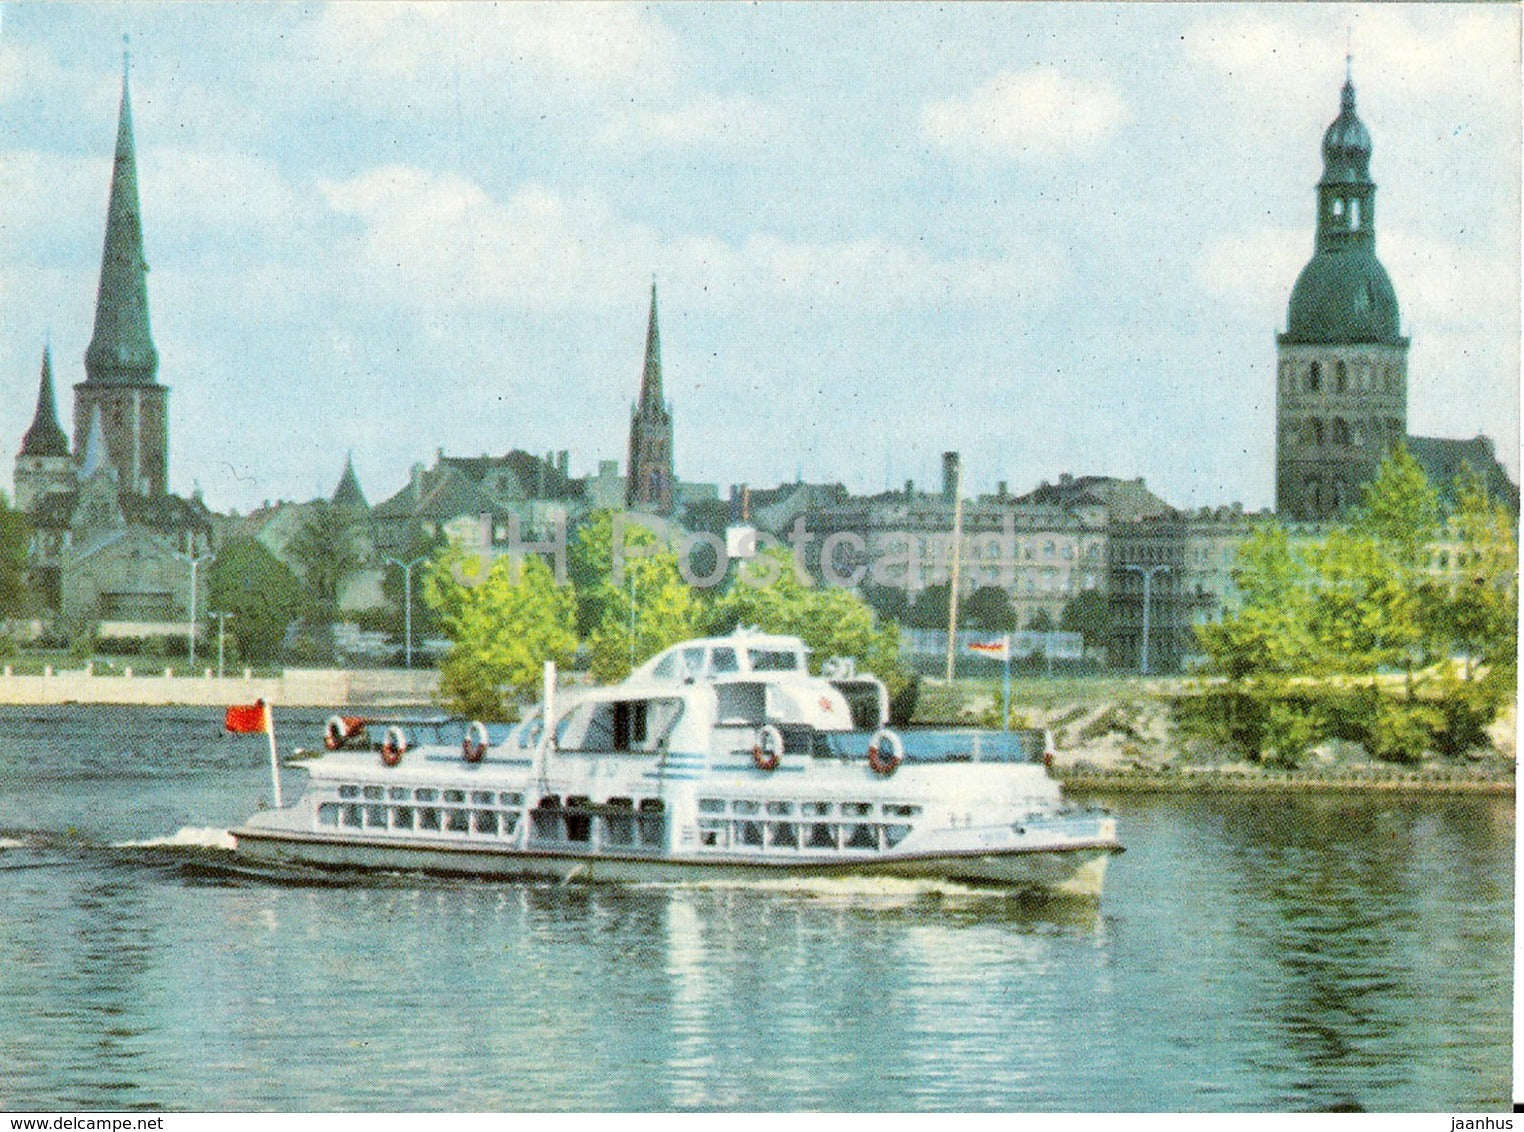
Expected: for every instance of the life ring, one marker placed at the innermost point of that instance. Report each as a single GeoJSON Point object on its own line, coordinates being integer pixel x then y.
{"type": "Point", "coordinates": [393, 746]}
{"type": "Point", "coordinates": [474, 746]}
{"type": "Point", "coordinates": [340, 728]}
{"type": "Point", "coordinates": [767, 759]}
{"type": "Point", "coordinates": [885, 752]}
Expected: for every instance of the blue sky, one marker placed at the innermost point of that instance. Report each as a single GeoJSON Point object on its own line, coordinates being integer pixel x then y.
{"type": "Point", "coordinates": [1054, 237]}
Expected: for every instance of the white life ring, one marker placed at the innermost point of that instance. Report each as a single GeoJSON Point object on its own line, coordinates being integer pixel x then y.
{"type": "Point", "coordinates": [335, 731]}
{"type": "Point", "coordinates": [474, 746]}
{"type": "Point", "coordinates": [885, 752]}
{"type": "Point", "coordinates": [768, 749]}
{"type": "Point", "coordinates": [393, 746]}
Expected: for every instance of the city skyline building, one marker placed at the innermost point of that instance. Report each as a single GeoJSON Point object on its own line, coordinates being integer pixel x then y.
{"type": "Point", "coordinates": [649, 477]}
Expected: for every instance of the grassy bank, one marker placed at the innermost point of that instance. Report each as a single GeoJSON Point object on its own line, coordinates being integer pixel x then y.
{"type": "Point", "coordinates": [1120, 735]}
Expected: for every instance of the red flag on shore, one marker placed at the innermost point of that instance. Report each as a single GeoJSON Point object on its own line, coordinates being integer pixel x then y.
{"type": "Point", "coordinates": [246, 718]}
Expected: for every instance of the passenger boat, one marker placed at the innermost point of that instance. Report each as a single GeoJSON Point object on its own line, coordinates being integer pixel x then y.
{"type": "Point", "coordinates": [720, 759]}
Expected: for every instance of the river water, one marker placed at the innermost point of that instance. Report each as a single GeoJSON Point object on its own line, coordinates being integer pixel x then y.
{"type": "Point", "coordinates": [1250, 953]}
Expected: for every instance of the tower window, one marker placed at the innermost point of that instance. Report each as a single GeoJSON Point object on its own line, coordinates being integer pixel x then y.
{"type": "Point", "coordinates": [1338, 207]}
{"type": "Point", "coordinates": [1314, 377]}
{"type": "Point", "coordinates": [1340, 431]}
{"type": "Point", "coordinates": [1340, 377]}
{"type": "Point", "coordinates": [1354, 214]}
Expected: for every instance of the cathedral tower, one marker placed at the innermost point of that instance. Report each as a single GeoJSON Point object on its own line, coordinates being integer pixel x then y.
{"type": "Point", "coordinates": [1342, 379]}
{"type": "Point", "coordinates": [121, 362]}
{"type": "Point", "coordinates": [649, 484]}
{"type": "Point", "coordinates": [43, 466]}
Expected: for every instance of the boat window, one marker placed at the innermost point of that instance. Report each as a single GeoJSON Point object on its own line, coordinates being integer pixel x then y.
{"type": "Point", "coordinates": [862, 837]}
{"type": "Point", "coordinates": [894, 834]}
{"type": "Point", "coordinates": [667, 669]}
{"type": "Point", "coordinates": [772, 660]}
{"type": "Point", "coordinates": [328, 813]}
{"type": "Point", "coordinates": [742, 806]}
{"type": "Point", "coordinates": [397, 792]}
{"type": "Point", "coordinates": [751, 833]}
{"type": "Point", "coordinates": [815, 809]}
{"type": "Point", "coordinates": [742, 705]}
{"type": "Point", "coordinates": [373, 792]}
{"type": "Point", "coordinates": [486, 821]}
{"type": "Point", "coordinates": [693, 662]}
{"type": "Point", "coordinates": [510, 799]}
{"type": "Point", "coordinates": [425, 795]}
{"type": "Point", "coordinates": [428, 818]}
{"type": "Point", "coordinates": [621, 725]}
{"type": "Point", "coordinates": [710, 805]}
{"type": "Point", "coordinates": [901, 811]}
{"type": "Point", "coordinates": [375, 816]}
{"type": "Point", "coordinates": [351, 815]}
{"type": "Point", "coordinates": [723, 660]}
{"type": "Point", "coordinates": [402, 817]}
{"type": "Point", "coordinates": [785, 834]}
{"type": "Point", "coordinates": [652, 806]}
{"type": "Point", "coordinates": [822, 836]}
{"type": "Point", "coordinates": [456, 821]}
{"type": "Point", "coordinates": [482, 797]}
{"type": "Point", "coordinates": [857, 809]}
{"type": "Point", "coordinates": [454, 795]}
{"type": "Point", "coordinates": [349, 791]}
{"type": "Point", "coordinates": [780, 807]}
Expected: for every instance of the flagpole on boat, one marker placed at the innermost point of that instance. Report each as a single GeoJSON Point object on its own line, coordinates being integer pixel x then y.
{"type": "Point", "coordinates": [269, 722]}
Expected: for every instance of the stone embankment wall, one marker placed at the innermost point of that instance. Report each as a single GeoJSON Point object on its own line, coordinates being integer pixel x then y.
{"type": "Point", "coordinates": [295, 687]}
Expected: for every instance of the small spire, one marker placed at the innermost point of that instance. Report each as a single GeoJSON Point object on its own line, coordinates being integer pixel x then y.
{"type": "Point", "coordinates": [650, 381]}
{"type": "Point", "coordinates": [45, 438]}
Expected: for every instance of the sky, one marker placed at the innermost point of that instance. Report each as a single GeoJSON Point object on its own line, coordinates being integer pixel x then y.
{"type": "Point", "coordinates": [1056, 238]}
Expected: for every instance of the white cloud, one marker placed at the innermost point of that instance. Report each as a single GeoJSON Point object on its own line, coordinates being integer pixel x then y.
{"type": "Point", "coordinates": [429, 241]}
{"type": "Point", "coordinates": [1037, 114]}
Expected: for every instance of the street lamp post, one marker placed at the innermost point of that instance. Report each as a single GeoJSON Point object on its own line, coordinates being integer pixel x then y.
{"type": "Point", "coordinates": [195, 564]}
{"type": "Point", "coordinates": [1148, 576]}
{"type": "Point", "coordinates": [407, 612]}
{"type": "Point", "coordinates": [222, 619]}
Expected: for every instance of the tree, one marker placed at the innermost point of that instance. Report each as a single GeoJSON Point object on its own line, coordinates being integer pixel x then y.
{"type": "Point", "coordinates": [1399, 511]}
{"type": "Point", "coordinates": [502, 628]}
{"type": "Point", "coordinates": [1479, 614]}
{"type": "Point", "coordinates": [1270, 633]}
{"type": "Point", "coordinates": [928, 610]}
{"type": "Point", "coordinates": [326, 550]}
{"type": "Point", "coordinates": [15, 534]}
{"type": "Point", "coordinates": [260, 592]}
{"type": "Point", "coordinates": [1089, 615]}
{"type": "Point", "coordinates": [653, 601]}
{"type": "Point", "coordinates": [987, 609]}
{"type": "Point", "coordinates": [831, 621]}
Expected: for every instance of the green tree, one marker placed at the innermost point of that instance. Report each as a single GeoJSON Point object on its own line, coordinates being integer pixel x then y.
{"type": "Point", "coordinates": [502, 625]}
{"type": "Point", "coordinates": [326, 550]}
{"type": "Point", "coordinates": [1089, 615]}
{"type": "Point", "coordinates": [653, 600]}
{"type": "Point", "coordinates": [1270, 634]}
{"type": "Point", "coordinates": [261, 593]}
{"type": "Point", "coordinates": [831, 621]}
{"type": "Point", "coordinates": [1399, 511]}
{"type": "Point", "coordinates": [15, 534]}
{"type": "Point", "coordinates": [928, 609]}
{"type": "Point", "coordinates": [1479, 613]}
{"type": "Point", "coordinates": [988, 609]}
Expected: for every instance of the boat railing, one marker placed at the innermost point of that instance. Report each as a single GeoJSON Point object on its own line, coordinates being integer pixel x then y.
{"type": "Point", "coordinates": [944, 745]}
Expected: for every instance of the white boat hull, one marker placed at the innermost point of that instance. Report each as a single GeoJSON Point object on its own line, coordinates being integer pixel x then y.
{"type": "Point", "coordinates": [1071, 871]}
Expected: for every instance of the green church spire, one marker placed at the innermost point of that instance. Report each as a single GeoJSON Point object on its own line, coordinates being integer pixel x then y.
{"type": "Point", "coordinates": [45, 438]}
{"type": "Point", "coordinates": [121, 351]}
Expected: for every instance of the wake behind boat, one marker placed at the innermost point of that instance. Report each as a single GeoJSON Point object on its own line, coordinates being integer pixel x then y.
{"type": "Point", "coordinates": [719, 759]}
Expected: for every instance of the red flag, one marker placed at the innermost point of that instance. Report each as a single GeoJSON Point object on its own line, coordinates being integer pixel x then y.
{"type": "Point", "coordinates": [246, 718]}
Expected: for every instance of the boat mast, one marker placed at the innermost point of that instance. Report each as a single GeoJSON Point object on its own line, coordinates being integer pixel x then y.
{"type": "Point", "coordinates": [957, 548]}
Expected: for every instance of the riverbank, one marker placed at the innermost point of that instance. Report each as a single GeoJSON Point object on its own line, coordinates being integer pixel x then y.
{"type": "Point", "coordinates": [1251, 780]}
{"type": "Point", "coordinates": [331, 688]}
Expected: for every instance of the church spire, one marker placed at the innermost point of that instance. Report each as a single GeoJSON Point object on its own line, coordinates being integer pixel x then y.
{"type": "Point", "coordinates": [45, 438]}
{"type": "Point", "coordinates": [649, 480]}
{"type": "Point", "coordinates": [121, 351]}
{"type": "Point", "coordinates": [650, 382]}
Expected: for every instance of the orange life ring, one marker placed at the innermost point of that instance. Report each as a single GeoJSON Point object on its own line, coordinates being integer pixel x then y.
{"type": "Point", "coordinates": [882, 763]}
{"type": "Point", "coordinates": [767, 760]}
{"type": "Point", "coordinates": [474, 746]}
{"type": "Point", "coordinates": [393, 746]}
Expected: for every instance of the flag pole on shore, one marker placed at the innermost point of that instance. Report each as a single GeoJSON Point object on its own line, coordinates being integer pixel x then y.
{"type": "Point", "coordinates": [999, 649]}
